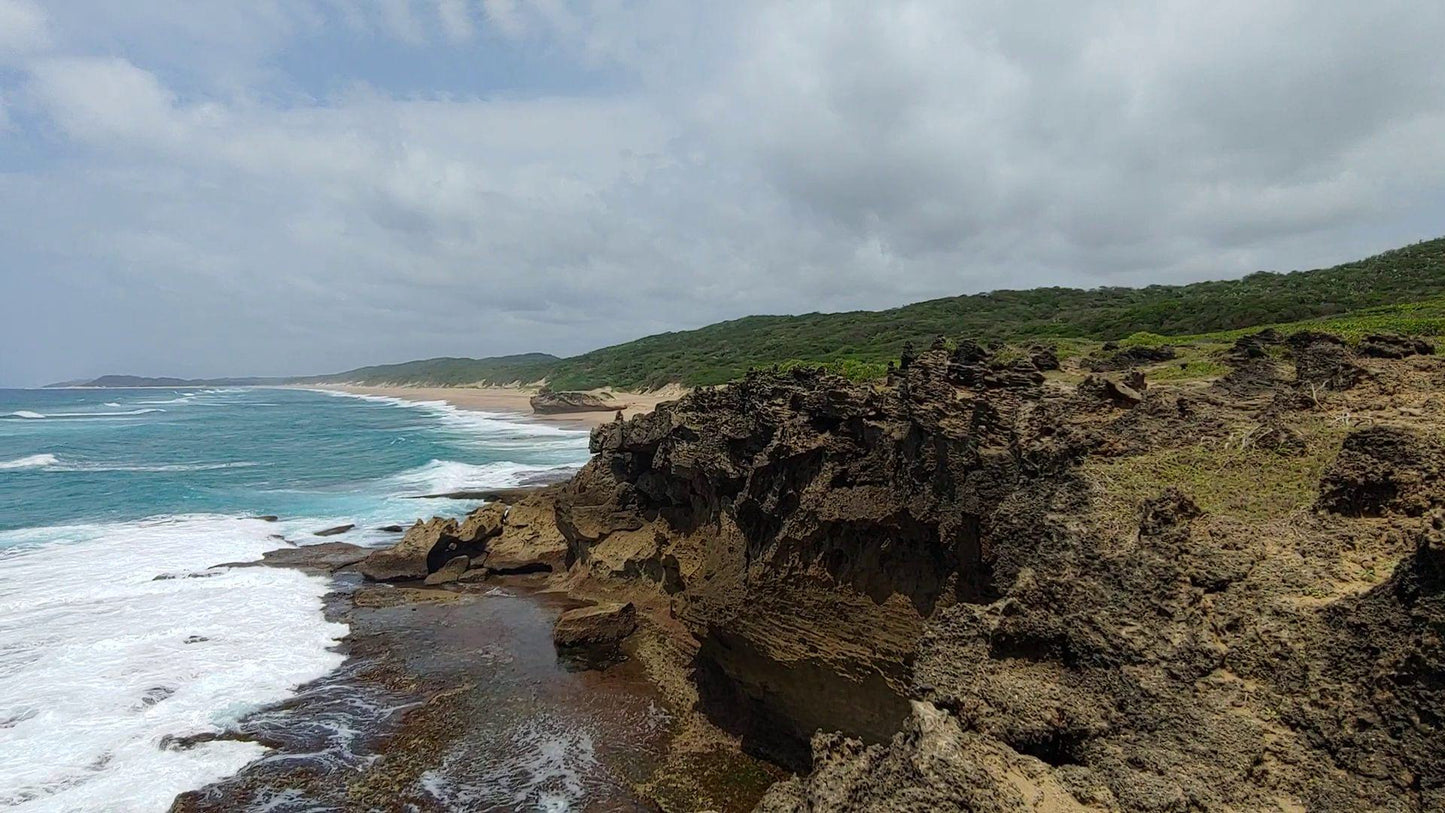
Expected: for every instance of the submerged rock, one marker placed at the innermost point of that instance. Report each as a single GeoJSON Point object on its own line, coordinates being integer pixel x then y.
{"type": "Point", "coordinates": [336, 531]}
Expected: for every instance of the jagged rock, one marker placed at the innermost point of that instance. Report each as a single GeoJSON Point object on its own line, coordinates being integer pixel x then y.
{"type": "Point", "coordinates": [1044, 358]}
{"type": "Point", "coordinates": [937, 571]}
{"type": "Point", "coordinates": [552, 403]}
{"type": "Point", "coordinates": [429, 545]}
{"type": "Point", "coordinates": [1121, 395]}
{"type": "Point", "coordinates": [449, 572]}
{"type": "Point", "coordinates": [1322, 360]}
{"type": "Point", "coordinates": [1107, 360]}
{"type": "Point", "coordinates": [339, 529]}
{"type": "Point", "coordinates": [1384, 470]}
{"type": "Point", "coordinates": [1394, 346]}
{"type": "Point", "coordinates": [408, 559]}
{"type": "Point", "coordinates": [932, 764]}
{"type": "Point", "coordinates": [1135, 380]}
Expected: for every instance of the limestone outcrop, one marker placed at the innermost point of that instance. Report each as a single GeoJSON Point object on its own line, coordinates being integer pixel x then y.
{"type": "Point", "coordinates": [548, 402]}
{"type": "Point", "coordinates": [976, 589]}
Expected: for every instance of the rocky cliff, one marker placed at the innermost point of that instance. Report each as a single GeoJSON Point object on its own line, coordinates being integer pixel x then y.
{"type": "Point", "coordinates": [976, 586]}
{"type": "Point", "coordinates": [972, 588]}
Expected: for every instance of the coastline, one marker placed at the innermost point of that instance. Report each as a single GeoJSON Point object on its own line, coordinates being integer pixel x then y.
{"type": "Point", "coordinates": [515, 400]}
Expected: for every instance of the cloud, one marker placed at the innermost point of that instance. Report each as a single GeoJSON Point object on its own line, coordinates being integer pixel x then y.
{"type": "Point", "coordinates": [23, 28]}
{"type": "Point", "coordinates": [672, 164]}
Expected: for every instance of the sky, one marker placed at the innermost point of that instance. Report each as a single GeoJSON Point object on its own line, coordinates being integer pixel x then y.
{"type": "Point", "coordinates": [278, 187]}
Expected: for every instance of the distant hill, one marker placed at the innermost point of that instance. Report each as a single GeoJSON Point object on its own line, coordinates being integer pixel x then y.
{"type": "Point", "coordinates": [524, 368]}
{"type": "Point", "coordinates": [121, 381]}
{"type": "Point", "coordinates": [859, 343]}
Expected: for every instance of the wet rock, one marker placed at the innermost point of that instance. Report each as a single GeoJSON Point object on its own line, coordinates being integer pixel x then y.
{"type": "Point", "coordinates": [339, 529]}
{"type": "Point", "coordinates": [600, 626]}
{"type": "Point", "coordinates": [427, 546]}
{"type": "Point", "coordinates": [266, 518]}
{"type": "Point", "coordinates": [411, 558]}
{"type": "Point", "coordinates": [1394, 346]}
{"type": "Point", "coordinates": [391, 529]}
{"type": "Point", "coordinates": [1383, 470]}
{"type": "Point", "coordinates": [553, 403]}
{"type": "Point", "coordinates": [449, 572]}
{"type": "Point", "coordinates": [325, 557]}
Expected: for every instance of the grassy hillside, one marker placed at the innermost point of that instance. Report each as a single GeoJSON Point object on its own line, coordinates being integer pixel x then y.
{"type": "Point", "coordinates": [860, 342]}
{"type": "Point", "coordinates": [1399, 290]}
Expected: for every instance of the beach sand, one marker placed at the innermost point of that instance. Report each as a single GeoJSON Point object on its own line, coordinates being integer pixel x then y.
{"type": "Point", "coordinates": [514, 400]}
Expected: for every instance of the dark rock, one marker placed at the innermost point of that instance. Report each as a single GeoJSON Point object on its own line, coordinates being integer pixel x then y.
{"type": "Point", "coordinates": [325, 557]}
{"type": "Point", "coordinates": [1323, 361]}
{"type": "Point", "coordinates": [1384, 470]}
{"type": "Point", "coordinates": [266, 518]}
{"type": "Point", "coordinates": [1394, 346]}
{"type": "Point", "coordinates": [555, 403]}
{"type": "Point", "coordinates": [1107, 359]}
{"type": "Point", "coordinates": [449, 572]}
{"type": "Point", "coordinates": [1044, 358]}
{"type": "Point", "coordinates": [391, 529]}
{"type": "Point", "coordinates": [339, 529]}
{"type": "Point", "coordinates": [1104, 389]}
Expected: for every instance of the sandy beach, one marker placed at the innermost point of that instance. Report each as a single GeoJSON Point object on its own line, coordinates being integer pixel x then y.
{"type": "Point", "coordinates": [515, 400]}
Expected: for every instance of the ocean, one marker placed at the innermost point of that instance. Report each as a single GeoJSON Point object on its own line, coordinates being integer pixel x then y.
{"type": "Point", "coordinates": [114, 635]}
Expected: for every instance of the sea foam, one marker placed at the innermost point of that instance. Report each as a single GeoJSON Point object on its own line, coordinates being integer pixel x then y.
{"type": "Point", "coordinates": [102, 661]}
{"type": "Point", "coordinates": [35, 461]}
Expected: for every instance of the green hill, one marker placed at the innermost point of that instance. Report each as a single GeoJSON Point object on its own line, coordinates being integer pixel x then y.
{"type": "Point", "coordinates": [861, 342]}
{"type": "Point", "coordinates": [1404, 287]}
{"type": "Point", "coordinates": [526, 367]}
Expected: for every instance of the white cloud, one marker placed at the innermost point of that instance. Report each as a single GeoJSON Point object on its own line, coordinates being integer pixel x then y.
{"type": "Point", "coordinates": [456, 19]}
{"type": "Point", "coordinates": [23, 28]}
{"type": "Point", "coordinates": [742, 157]}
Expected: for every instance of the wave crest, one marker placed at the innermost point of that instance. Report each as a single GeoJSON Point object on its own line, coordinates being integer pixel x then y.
{"type": "Point", "coordinates": [35, 461]}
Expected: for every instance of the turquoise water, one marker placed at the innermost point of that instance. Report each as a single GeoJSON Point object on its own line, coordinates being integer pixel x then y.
{"type": "Point", "coordinates": [105, 455]}
{"type": "Point", "coordinates": [118, 632]}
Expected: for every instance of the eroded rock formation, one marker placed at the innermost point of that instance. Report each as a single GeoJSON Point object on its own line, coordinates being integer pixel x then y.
{"type": "Point", "coordinates": [924, 596]}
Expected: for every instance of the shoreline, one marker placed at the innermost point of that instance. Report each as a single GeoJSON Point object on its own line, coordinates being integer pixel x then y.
{"type": "Point", "coordinates": [514, 401]}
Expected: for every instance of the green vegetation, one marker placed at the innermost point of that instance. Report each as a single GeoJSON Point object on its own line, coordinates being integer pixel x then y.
{"type": "Point", "coordinates": [724, 351]}
{"type": "Point", "coordinates": [525, 368]}
{"type": "Point", "coordinates": [1239, 478]}
{"type": "Point", "coordinates": [1399, 291]}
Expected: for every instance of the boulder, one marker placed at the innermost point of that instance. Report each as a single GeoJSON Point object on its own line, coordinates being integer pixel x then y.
{"type": "Point", "coordinates": [407, 559]}
{"type": "Point", "coordinates": [552, 403]}
{"type": "Point", "coordinates": [449, 572]}
{"type": "Point", "coordinates": [427, 546]}
{"type": "Point", "coordinates": [339, 529]}
{"type": "Point", "coordinates": [605, 625]}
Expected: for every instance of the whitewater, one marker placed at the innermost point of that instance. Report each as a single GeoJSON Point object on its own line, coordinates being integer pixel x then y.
{"type": "Point", "coordinates": [118, 633]}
